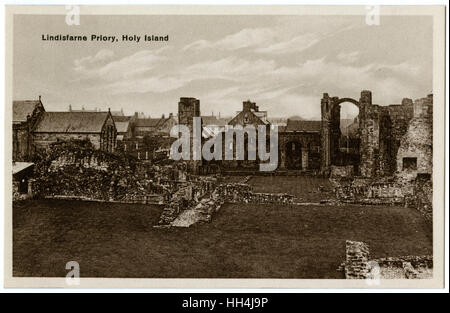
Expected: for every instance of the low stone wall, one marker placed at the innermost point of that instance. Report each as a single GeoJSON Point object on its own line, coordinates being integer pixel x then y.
{"type": "Point", "coordinates": [358, 264]}
{"type": "Point", "coordinates": [342, 171]}
{"type": "Point", "coordinates": [369, 191]}
{"type": "Point", "coordinates": [414, 192]}
{"type": "Point", "coordinates": [422, 198]}
{"type": "Point", "coordinates": [415, 260]}
{"type": "Point", "coordinates": [187, 195]}
{"type": "Point", "coordinates": [243, 193]}
{"type": "Point", "coordinates": [183, 211]}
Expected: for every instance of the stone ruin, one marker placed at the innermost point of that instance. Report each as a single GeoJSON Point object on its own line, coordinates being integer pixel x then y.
{"type": "Point", "coordinates": [184, 210]}
{"type": "Point", "coordinates": [359, 265]}
{"type": "Point", "coordinates": [395, 150]}
{"type": "Point", "coordinates": [379, 130]}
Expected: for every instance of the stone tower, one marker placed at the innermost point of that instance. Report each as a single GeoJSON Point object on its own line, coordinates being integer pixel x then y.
{"type": "Point", "coordinates": [330, 131]}
{"type": "Point", "coordinates": [188, 108]}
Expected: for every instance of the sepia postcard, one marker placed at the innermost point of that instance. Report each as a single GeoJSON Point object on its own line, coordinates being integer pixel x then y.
{"type": "Point", "coordinates": [224, 146]}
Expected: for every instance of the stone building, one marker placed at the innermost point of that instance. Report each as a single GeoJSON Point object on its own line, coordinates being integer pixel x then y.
{"type": "Point", "coordinates": [98, 127]}
{"type": "Point", "coordinates": [299, 145]}
{"type": "Point", "coordinates": [154, 126]}
{"type": "Point", "coordinates": [188, 108]}
{"type": "Point", "coordinates": [415, 154]}
{"type": "Point", "coordinates": [373, 152]}
{"type": "Point", "coordinates": [212, 125]}
{"type": "Point", "coordinates": [25, 116]}
{"type": "Point", "coordinates": [124, 126]}
{"type": "Point", "coordinates": [250, 115]}
{"type": "Point", "coordinates": [21, 178]}
{"type": "Point", "coordinates": [366, 145]}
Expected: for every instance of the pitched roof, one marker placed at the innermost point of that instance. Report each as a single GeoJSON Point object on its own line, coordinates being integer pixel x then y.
{"type": "Point", "coordinates": [20, 166]}
{"type": "Point", "coordinates": [72, 122]}
{"type": "Point", "coordinates": [118, 118]}
{"type": "Point", "coordinates": [148, 122]}
{"type": "Point", "coordinates": [23, 108]}
{"type": "Point", "coordinates": [257, 118]}
{"type": "Point", "coordinates": [303, 126]}
{"type": "Point", "coordinates": [122, 127]}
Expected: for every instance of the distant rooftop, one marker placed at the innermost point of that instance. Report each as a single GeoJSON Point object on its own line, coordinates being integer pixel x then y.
{"type": "Point", "coordinates": [303, 126]}
{"type": "Point", "coordinates": [72, 122]}
{"type": "Point", "coordinates": [23, 108]}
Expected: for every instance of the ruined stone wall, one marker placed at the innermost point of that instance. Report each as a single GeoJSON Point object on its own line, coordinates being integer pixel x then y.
{"type": "Point", "coordinates": [77, 170]}
{"type": "Point", "coordinates": [342, 171]}
{"type": "Point", "coordinates": [242, 193]}
{"type": "Point", "coordinates": [188, 108]}
{"type": "Point", "coordinates": [21, 144]}
{"type": "Point", "coordinates": [358, 265]}
{"type": "Point", "coordinates": [370, 139]}
{"type": "Point", "coordinates": [45, 140]}
{"type": "Point", "coordinates": [309, 143]}
{"type": "Point", "coordinates": [400, 116]}
{"type": "Point", "coordinates": [373, 191]}
{"type": "Point", "coordinates": [422, 197]}
{"type": "Point", "coordinates": [380, 131]}
{"type": "Point", "coordinates": [417, 143]}
{"type": "Point", "coordinates": [356, 260]}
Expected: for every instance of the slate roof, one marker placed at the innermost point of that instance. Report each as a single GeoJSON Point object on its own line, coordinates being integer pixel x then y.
{"type": "Point", "coordinates": [71, 122]}
{"type": "Point", "coordinates": [121, 127]}
{"type": "Point", "coordinates": [148, 122]}
{"type": "Point", "coordinates": [303, 126]}
{"type": "Point", "coordinates": [118, 118]}
{"type": "Point", "coordinates": [213, 120]}
{"type": "Point", "coordinates": [23, 108]}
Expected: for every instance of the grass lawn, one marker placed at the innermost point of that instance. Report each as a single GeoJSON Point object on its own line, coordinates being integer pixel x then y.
{"type": "Point", "coordinates": [243, 241]}
{"type": "Point", "coordinates": [304, 188]}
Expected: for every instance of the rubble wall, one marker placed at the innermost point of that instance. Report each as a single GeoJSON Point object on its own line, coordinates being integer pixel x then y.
{"type": "Point", "coordinates": [243, 193]}
{"type": "Point", "coordinates": [358, 265]}
{"type": "Point", "coordinates": [45, 140]}
{"type": "Point", "coordinates": [77, 170]}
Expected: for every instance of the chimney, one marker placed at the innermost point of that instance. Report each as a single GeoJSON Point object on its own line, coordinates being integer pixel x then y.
{"type": "Point", "coordinates": [39, 98]}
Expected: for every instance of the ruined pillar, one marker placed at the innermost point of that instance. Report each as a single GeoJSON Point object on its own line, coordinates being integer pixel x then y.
{"type": "Point", "coordinates": [370, 135]}
{"type": "Point", "coordinates": [325, 140]}
{"type": "Point", "coordinates": [188, 108]}
{"type": "Point", "coordinates": [282, 156]}
{"type": "Point", "coordinates": [305, 156]}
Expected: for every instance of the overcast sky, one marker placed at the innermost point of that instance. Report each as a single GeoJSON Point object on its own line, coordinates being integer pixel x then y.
{"type": "Point", "coordinates": [284, 63]}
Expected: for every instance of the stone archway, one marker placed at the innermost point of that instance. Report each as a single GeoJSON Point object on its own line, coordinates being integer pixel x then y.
{"type": "Point", "coordinates": [331, 153]}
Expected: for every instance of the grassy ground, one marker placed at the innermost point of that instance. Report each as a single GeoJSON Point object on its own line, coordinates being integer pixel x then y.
{"type": "Point", "coordinates": [265, 241]}
{"type": "Point", "coordinates": [304, 188]}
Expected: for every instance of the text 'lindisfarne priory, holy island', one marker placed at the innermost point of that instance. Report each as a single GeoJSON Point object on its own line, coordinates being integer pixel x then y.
{"type": "Point", "coordinates": [105, 38]}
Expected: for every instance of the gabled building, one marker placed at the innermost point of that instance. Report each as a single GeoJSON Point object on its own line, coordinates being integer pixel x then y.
{"type": "Point", "coordinates": [154, 126]}
{"type": "Point", "coordinates": [26, 114]}
{"type": "Point", "coordinates": [299, 145]}
{"type": "Point", "coordinates": [211, 125]}
{"type": "Point", "coordinates": [98, 127]}
{"type": "Point", "coordinates": [250, 115]}
{"type": "Point", "coordinates": [124, 126]}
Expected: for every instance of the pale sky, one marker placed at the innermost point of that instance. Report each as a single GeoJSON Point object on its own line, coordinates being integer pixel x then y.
{"type": "Point", "coordinates": [283, 63]}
